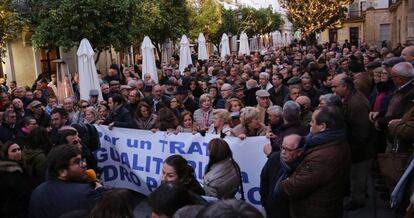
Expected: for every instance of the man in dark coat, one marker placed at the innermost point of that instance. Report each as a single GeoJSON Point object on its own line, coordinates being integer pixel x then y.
{"type": "Point", "coordinates": [119, 115]}
{"type": "Point", "coordinates": [278, 167]}
{"type": "Point", "coordinates": [8, 127]}
{"type": "Point", "coordinates": [401, 102]}
{"type": "Point", "coordinates": [187, 101]}
{"type": "Point", "coordinates": [66, 190]}
{"type": "Point", "coordinates": [316, 187]}
{"type": "Point", "coordinates": [279, 91]}
{"type": "Point", "coordinates": [360, 135]}
{"type": "Point", "coordinates": [157, 100]}
{"type": "Point", "coordinates": [291, 125]}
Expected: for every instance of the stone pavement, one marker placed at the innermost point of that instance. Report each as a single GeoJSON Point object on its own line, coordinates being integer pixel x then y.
{"type": "Point", "coordinates": [375, 208]}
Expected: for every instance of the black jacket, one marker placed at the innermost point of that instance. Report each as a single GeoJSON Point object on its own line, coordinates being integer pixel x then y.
{"type": "Point", "coordinates": [121, 117]}
{"type": "Point", "coordinates": [190, 105]}
{"type": "Point", "coordinates": [54, 198]}
{"type": "Point", "coordinates": [275, 206]}
{"type": "Point", "coordinates": [277, 96]}
{"type": "Point", "coordinates": [7, 132]}
{"type": "Point", "coordinates": [250, 96]}
{"type": "Point", "coordinates": [164, 101]}
{"type": "Point", "coordinates": [14, 190]}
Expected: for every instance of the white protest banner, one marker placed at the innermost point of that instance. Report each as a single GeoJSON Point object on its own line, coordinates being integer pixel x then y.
{"type": "Point", "coordinates": [133, 159]}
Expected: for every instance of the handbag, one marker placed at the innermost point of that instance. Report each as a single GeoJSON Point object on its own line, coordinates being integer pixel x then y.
{"type": "Point", "coordinates": [392, 165]}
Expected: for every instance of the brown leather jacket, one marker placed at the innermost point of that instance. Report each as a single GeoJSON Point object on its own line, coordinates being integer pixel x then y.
{"type": "Point", "coordinates": [316, 188]}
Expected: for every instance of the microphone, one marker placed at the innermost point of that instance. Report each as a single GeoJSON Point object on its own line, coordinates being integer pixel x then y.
{"type": "Point", "coordinates": [91, 175]}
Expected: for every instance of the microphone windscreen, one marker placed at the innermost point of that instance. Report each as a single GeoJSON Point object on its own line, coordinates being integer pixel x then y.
{"type": "Point", "coordinates": [91, 175]}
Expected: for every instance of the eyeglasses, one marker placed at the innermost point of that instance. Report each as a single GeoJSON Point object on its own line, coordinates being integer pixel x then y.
{"type": "Point", "coordinates": [84, 106]}
{"type": "Point", "coordinates": [288, 149]}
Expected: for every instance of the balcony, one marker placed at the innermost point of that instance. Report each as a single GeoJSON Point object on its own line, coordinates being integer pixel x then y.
{"type": "Point", "coordinates": [393, 4]}
{"type": "Point", "coordinates": [354, 16]}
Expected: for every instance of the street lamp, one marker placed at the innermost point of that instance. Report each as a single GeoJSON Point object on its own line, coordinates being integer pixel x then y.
{"type": "Point", "coordinates": [240, 17]}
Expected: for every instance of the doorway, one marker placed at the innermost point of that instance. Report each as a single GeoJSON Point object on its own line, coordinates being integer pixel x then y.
{"type": "Point", "coordinates": [333, 36]}
{"type": "Point", "coordinates": [354, 35]}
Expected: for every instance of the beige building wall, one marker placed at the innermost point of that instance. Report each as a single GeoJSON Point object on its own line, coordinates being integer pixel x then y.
{"type": "Point", "coordinates": [398, 18]}
{"type": "Point", "coordinates": [23, 60]}
{"type": "Point", "coordinates": [343, 33]}
{"type": "Point", "coordinates": [373, 19]}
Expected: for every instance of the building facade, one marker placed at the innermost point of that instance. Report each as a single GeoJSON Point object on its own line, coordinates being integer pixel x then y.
{"type": "Point", "coordinates": [23, 63]}
{"type": "Point", "coordinates": [375, 21]}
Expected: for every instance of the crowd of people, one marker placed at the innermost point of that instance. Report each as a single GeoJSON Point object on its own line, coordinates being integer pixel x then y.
{"type": "Point", "coordinates": [327, 110]}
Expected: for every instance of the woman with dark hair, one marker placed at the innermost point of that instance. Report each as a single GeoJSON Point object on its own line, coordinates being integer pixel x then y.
{"type": "Point", "coordinates": [218, 102]}
{"type": "Point", "coordinates": [11, 151]}
{"type": "Point", "coordinates": [166, 120]}
{"type": "Point", "coordinates": [195, 88]}
{"type": "Point", "coordinates": [176, 169]}
{"type": "Point", "coordinates": [187, 123]}
{"type": "Point", "coordinates": [168, 198]}
{"type": "Point", "coordinates": [34, 155]}
{"type": "Point", "coordinates": [116, 203]}
{"type": "Point", "coordinates": [222, 177]}
{"type": "Point", "coordinates": [14, 186]}
{"type": "Point", "coordinates": [176, 106]}
{"type": "Point", "coordinates": [144, 117]}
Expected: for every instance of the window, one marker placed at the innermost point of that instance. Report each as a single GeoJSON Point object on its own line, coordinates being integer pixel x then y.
{"type": "Point", "coordinates": [384, 32]}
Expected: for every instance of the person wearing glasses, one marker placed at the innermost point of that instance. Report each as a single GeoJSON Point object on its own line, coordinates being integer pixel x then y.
{"type": "Point", "coordinates": [278, 167]}
{"type": "Point", "coordinates": [67, 189]}
{"type": "Point", "coordinates": [317, 186]}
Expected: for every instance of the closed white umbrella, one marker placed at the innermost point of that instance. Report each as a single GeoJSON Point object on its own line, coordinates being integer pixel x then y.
{"type": "Point", "coordinates": [88, 77]}
{"type": "Point", "coordinates": [185, 54]}
{"type": "Point", "coordinates": [202, 48]}
{"type": "Point", "coordinates": [244, 44]}
{"type": "Point", "coordinates": [148, 59]}
{"type": "Point", "coordinates": [225, 47]}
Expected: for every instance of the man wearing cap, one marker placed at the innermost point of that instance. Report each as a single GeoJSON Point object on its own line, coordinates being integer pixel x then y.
{"type": "Point", "coordinates": [125, 91]}
{"type": "Point", "coordinates": [37, 112]}
{"type": "Point", "coordinates": [391, 62]}
{"type": "Point", "coordinates": [93, 98]}
{"type": "Point", "coordinates": [263, 103]}
{"type": "Point", "coordinates": [189, 103]}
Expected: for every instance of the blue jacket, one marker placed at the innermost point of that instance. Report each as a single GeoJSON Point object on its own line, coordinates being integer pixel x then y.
{"type": "Point", "coordinates": [54, 198]}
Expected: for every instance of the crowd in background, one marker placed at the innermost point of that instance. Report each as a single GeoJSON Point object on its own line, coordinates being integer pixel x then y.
{"type": "Point", "coordinates": [328, 111]}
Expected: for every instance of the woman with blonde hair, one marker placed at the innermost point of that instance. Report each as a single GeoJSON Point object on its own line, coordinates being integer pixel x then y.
{"type": "Point", "coordinates": [204, 115]}
{"type": "Point", "coordinates": [221, 124]}
{"type": "Point", "coordinates": [234, 106]}
{"type": "Point", "coordinates": [91, 115]}
{"type": "Point", "coordinates": [250, 124]}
